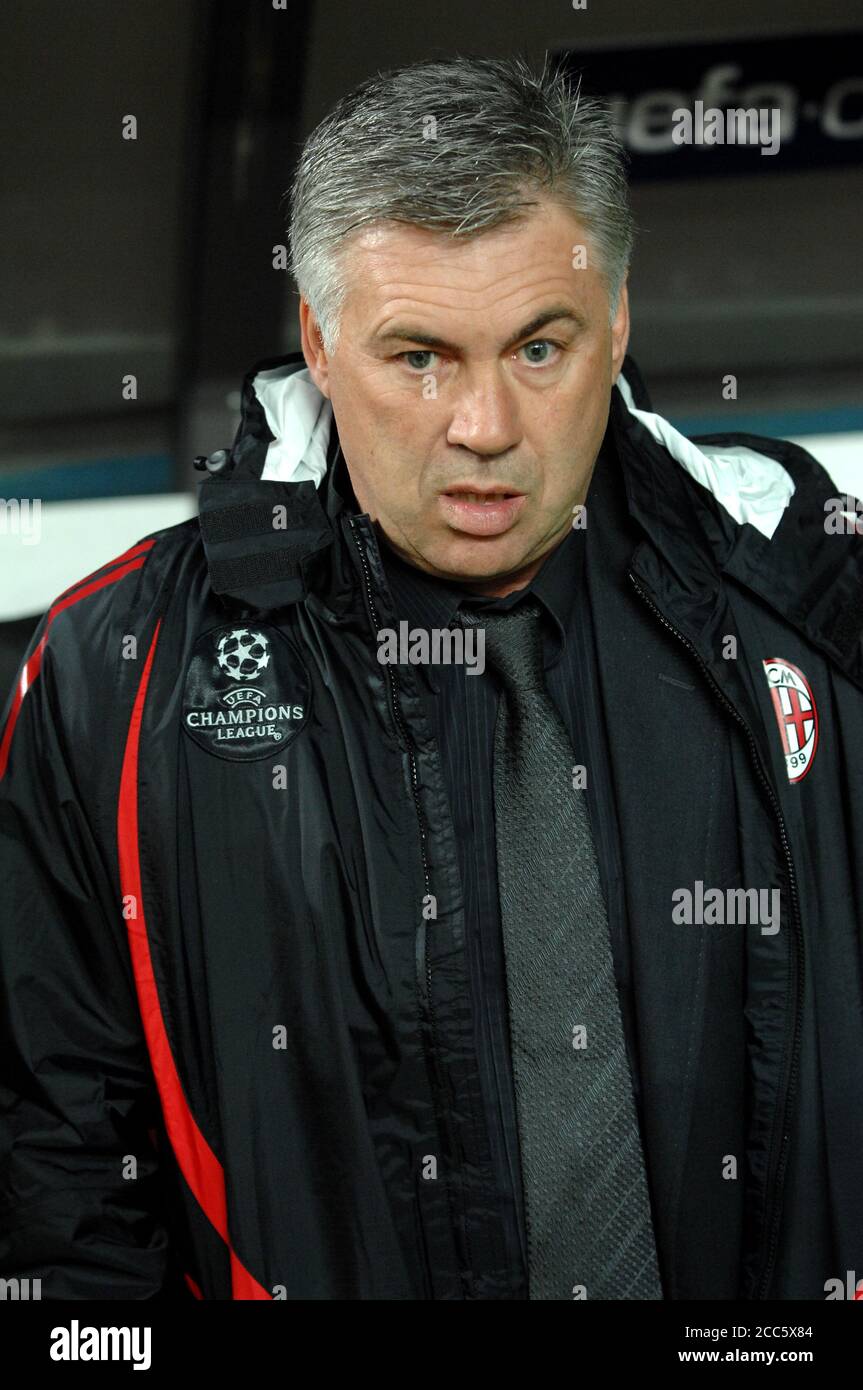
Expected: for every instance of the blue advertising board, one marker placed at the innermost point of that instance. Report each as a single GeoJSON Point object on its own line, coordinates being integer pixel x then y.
{"type": "Point", "coordinates": [738, 106]}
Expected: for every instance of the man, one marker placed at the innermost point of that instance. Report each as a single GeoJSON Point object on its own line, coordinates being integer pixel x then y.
{"type": "Point", "coordinates": [333, 970]}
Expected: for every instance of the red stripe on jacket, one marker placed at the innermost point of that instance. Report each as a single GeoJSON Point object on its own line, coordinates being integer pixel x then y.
{"type": "Point", "coordinates": [33, 665]}
{"type": "Point", "coordinates": [134, 551]}
{"type": "Point", "coordinates": [200, 1167]}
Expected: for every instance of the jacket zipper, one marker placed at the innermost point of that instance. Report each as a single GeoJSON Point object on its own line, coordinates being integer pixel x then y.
{"type": "Point", "coordinates": [424, 971]}
{"type": "Point", "coordinates": [777, 1164]}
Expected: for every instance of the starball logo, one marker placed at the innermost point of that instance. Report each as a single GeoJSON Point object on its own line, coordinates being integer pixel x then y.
{"type": "Point", "coordinates": [243, 654]}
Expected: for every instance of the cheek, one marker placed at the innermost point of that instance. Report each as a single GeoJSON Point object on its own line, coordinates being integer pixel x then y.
{"type": "Point", "coordinates": [587, 414]}
{"type": "Point", "coordinates": [390, 482]}
{"type": "Point", "coordinates": [389, 418]}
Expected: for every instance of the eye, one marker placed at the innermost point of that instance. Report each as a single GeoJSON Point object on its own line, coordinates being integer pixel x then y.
{"type": "Point", "coordinates": [417, 352]}
{"type": "Point", "coordinates": [540, 343]}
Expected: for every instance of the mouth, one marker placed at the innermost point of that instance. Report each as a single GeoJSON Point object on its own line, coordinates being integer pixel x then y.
{"type": "Point", "coordinates": [470, 492]}
{"type": "Point", "coordinates": [481, 511]}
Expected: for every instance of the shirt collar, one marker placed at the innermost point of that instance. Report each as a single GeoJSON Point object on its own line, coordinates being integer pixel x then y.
{"type": "Point", "coordinates": [425, 601]}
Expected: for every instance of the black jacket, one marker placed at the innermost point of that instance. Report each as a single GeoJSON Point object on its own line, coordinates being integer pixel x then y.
{"type": "Point", "coordinates": [237, 1055]}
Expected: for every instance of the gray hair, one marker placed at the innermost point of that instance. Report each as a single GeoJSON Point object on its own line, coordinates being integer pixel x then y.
{"type": "Point", "coordinates": [458, 145]}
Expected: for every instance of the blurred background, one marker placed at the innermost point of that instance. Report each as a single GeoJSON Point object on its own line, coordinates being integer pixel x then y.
{"type": "Point", "coordinates": [152, 257]}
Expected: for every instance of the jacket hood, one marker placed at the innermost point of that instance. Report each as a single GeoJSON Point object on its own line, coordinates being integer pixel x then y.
{"type": "Point", "coordinates": [732, 504]}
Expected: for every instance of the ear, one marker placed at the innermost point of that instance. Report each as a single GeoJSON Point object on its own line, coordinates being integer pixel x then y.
{"type": "Point", "coordinates": [620, 332]}
{"type": "Point", "coordinates": [313, 349]}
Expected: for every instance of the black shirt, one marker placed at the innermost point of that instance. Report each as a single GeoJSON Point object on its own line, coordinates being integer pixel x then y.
{"type": "Point", "coordinates": [462, 710]}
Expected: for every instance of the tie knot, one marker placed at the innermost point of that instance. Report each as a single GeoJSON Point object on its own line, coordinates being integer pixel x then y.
{"type": "Point", "coordinates": [513, 643]}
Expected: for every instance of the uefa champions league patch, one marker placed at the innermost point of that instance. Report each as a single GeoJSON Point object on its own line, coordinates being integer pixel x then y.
{"type": "Point", "coordinates": [796, 715]}
{"type": "Point", "coordinates": [247, 694]}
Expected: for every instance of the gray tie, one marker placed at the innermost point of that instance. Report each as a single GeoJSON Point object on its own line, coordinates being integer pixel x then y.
{"type": "Point", "coordinates": [586, 1198]}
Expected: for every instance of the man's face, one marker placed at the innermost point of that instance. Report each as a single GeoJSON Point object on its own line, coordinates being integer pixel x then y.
{"type": "Point", "coordinates": [448, 380]}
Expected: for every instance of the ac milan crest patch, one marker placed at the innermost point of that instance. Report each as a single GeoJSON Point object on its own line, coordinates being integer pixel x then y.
{"type": "Point", "coordinates": [796, 715]}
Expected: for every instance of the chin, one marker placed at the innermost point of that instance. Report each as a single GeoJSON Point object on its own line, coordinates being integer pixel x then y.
{"type": "Point", "coordinates": [484, 560]}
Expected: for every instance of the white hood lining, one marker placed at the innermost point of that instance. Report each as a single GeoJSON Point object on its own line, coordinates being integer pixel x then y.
{"type": "Point", "coordinates": [300, 418]}
{"type": "Point", "coordinates": [750, 486]}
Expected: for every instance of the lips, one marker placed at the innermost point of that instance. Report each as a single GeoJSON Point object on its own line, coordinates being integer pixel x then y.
{"type": "Point", "coordinates": [466, 492]}
{"type": "Point", "coordinates": [480, 497]}
{"type": "Point", "coordinates": [481, 511]}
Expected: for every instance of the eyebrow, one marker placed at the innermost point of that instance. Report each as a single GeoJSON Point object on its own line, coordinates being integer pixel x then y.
{"type": "Point", "coordinates": [551, 315]}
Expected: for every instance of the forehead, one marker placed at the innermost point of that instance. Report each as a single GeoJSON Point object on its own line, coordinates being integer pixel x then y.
{"type": "Point", "coordinates": [394, 268]}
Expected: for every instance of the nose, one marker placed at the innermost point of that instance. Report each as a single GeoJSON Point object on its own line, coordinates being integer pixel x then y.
{"type": "Point", "coordinates": [485, 417]}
